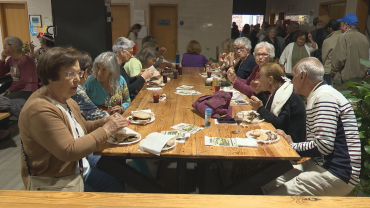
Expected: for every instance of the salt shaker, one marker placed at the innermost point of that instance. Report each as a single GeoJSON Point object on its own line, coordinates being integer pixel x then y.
{"type": "Point", "coordinates": [208, 117]}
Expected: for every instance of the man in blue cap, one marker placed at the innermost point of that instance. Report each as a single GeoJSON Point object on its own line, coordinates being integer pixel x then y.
{"type": "Point", "coordinates": [351, 46]}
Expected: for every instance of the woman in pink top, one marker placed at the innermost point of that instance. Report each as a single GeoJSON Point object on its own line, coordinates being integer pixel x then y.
{"type": "Point", "coordinates": [193, 58]}
{"type": "Point", "coordinates": [21, 67]}
{"type": "Point", "coordinates": [264, 53]}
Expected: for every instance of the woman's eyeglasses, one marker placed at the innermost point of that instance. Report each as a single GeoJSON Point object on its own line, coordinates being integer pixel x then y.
{"type": "Point", "coordinates": [72, 74]}
{"type": "Point", "coordinates": [261, 55]}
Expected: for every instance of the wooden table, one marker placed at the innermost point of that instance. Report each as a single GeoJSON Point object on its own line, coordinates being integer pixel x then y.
{"type": "Point", "coordinates": [89, 199]}
{"type": "Point", "coordinates": [4, 115]}
{"type": "Point", "coordinates": [178, 109]}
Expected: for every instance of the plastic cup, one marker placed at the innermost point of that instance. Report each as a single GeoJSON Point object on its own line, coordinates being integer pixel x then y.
{"type": "Point", "coordinates": [180, 70]}
{"type": "Point", "coordinates": [209, 73]}
{"type": "Point", "coordinates": [177, 66]}
{"type": "Point", "coordinates": [175, 73]}
{"type": "Point", "coordinates": [217, 86]}
{"type": "Point", "coordinates": [165, 75]}
{"type": "Point", "coordinates": [156, 96]}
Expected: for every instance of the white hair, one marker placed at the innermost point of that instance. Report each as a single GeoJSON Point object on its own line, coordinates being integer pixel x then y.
{"type": "Point", "coordinates": [110, 60]}
{"type": "Point", "coordinates": [270, 48]}
{"type": "Point", "coordinates": [313, 68]}
{"type": "Point", "coordinates": [123, 43]}
{"type": "Point", "coordinates": [243, 41]}
{"type": "Point", "coordinates": [15, 41]}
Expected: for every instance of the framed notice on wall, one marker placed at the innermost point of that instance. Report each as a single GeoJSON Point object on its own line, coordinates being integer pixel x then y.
{"type": "Point", "coordinates": [139, 17]}
{"type": "Point", "coordinates": [35, 20]}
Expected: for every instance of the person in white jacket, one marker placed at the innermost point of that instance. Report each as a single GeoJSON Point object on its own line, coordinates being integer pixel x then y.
{"type": "Point", "coordinates": [296, 51]}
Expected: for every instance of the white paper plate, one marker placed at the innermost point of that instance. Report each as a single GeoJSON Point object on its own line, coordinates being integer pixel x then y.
{"type": "Point", "coordinates": [134, 122]}
{"type": "Point", "coordinates": [168, 148]}
{"type": "Point", "coordinates": [248, 134]}
{"type": "Point", "coordinates": [124, 143]}
{"type": "Point", "coordinates": [254, 121]}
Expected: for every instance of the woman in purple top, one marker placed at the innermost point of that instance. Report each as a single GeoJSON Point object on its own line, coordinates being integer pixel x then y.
{"type": "Point", "coordinates": [193, 58]}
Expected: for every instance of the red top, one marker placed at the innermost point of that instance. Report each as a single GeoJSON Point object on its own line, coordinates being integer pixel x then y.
{"type": "Point", "coordinates": [23, 72]}
{"type": "Point", "coordinates": [242, 85]}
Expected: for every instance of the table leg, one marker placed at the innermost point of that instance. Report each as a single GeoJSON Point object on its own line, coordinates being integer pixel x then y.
{"type": "Point", "coordinates": [119, 169]}
{"type": "Point", "coordinates": [259, 178]}
{"type": "Point", "coordinates": [204, 180]}
{"type": "Point", "coordinates": [181, 168]}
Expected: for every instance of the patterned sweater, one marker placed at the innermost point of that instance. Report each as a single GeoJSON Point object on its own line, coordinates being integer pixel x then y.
{"type": "Point", "coordinates": [332, 134]}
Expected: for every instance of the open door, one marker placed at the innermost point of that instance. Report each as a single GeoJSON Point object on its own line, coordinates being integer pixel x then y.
{"type": "Point", "coordinates": [83, 25]}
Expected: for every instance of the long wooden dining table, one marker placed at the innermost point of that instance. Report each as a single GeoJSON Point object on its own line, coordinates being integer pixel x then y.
{"type": "Point", "coordinates": [177, 109]}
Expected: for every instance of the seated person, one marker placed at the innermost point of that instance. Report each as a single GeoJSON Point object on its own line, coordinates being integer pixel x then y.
{"type": "Point", "coordinates": [46, 43]}
{"type": "Point", "coordinates": [144, 58]}
{"type": "Point", "coordinates": [88, 109]}
{"type": "Point", "coordinates": [333, 140]}
{"type": "Point", "coordinates": [55, 137]}
{"type": "Point", "coordinates": [160, 62]}
{"type": "Point", "coordinates": [227, 59]}
{"type": "Point", "coordinates": [264, 53]}
{"type": "Point", "coordinates": [192, 57]}
{"type": "Point", "coordinates": [284, 109]}
{"type": "Point", "coordinates": [246, 63]}
{"type": "Point", "coordinates": [21, 67]}
{"type": "Point", "coordinates": [106, 87]}
{"type": "Point", "coordinates": [123, 48]}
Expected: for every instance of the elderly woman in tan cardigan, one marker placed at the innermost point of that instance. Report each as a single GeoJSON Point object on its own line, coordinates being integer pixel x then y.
{"type": "Point", "coordinates": [55, 136]}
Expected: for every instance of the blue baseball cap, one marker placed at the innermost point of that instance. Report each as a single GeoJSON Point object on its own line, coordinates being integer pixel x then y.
{"type": "Point", "coordinates": [350, 19]}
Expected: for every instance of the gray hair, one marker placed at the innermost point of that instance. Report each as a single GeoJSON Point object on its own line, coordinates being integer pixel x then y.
{"type": "Point", "coordinates": [296, 25]}
{"type": "Point", "coordinates": [244, 41]}
{"type": "Point", "coordinates": [110, 60]}
{"type": "Point", "coordinates": [270, 48]}
{"type": "Point", "coordinates": [269, 29]}
{"type": "Point", "coordinates": [145, 54]}
{"type": "Point", "coordinates": [15, 41]}
{"type": "Point", "coordinates": [123, 43]}
{"type": "Point", "coordinates": [313, 68]}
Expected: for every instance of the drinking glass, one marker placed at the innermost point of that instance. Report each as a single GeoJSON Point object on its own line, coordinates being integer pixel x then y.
{"type": "Point", "coordinates": [238, 116]}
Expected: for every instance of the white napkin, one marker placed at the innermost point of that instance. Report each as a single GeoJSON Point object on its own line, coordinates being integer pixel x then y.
{"type": "Point", "coordinates": [156, 73]}
{"type": "Point", "coordinates": [280, 98]}
{"type": "Point", "coordinates": [126, 131]}
{"type": "Point", "coordinates": [154, 88]}
{"type": "Point", "coordinates": [154, 142]}
{"type": "Point", "coordinates": [246, 142]}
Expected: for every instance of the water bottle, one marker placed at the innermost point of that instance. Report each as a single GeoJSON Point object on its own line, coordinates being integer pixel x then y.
{"type": "Point", "coordinates": [177, 57]}
{"type": "Point", "coordinates": [208, 117]}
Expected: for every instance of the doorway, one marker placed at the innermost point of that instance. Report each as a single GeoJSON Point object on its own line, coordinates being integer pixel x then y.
{"type": "Point", "coordinates": [14, 20]}
{"type": "Point", "coordinates": [121, 20]}
{"type": "Point", "coordinates": [272, 19]}
{"type": "Point", "coordinates": [334, 9]}
{"type": "Point", "coordinates": [163, 26]}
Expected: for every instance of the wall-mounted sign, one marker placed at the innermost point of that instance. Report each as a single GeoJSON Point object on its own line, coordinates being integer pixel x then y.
{"type": "Point", "coordinates": [163, 22]}
{"type": "Point", "coordinates": [139, 17]}
{"type": "Point", "coordinates": [181, 22]}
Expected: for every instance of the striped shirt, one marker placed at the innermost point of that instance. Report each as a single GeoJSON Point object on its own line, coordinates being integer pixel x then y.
{"type": "Point", "coordinates": [332, 134]}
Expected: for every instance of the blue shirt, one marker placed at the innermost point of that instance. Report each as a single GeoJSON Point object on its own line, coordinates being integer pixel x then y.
{"type": "Point", "coordinates": [101, 97]}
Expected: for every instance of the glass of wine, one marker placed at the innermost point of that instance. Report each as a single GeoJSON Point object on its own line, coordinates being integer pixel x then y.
{"type": "Point", "coordinates": [238, 116]}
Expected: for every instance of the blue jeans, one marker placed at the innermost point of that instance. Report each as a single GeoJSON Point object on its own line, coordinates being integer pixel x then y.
{"type": "Point", "coordinates": [99, 181]}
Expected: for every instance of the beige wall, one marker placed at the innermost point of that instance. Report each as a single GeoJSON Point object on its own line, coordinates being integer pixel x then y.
{"type": "Point", "coordinates": [303, 7]}
{"type": "Point", "coordinates": [208, 21]}
{"type": "Point", "coordinates": [35, 7]}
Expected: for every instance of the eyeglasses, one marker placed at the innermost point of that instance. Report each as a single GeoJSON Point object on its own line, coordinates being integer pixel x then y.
{"type": "Point", "coordinates": [241, 49]}
{"type": "Point", "coordinates": [72, 74]}
{"type": "Point", "coordinates": [261, 55]}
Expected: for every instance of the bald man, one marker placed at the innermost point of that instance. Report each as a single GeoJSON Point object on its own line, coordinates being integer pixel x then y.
{"type": "Point", "coordinates": [332, 137]}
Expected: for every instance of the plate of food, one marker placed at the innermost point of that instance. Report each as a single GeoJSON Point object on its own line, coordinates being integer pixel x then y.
{"type": "Point", "coordinates": [141, 117]}
{"type": "Point", "coordinates": [169, 145]}
{"type": "Point", "coordinates": [252, 116]}
{"type": "Point", "coordinates": [124, 138]}
{"type": "Point", "coordinates": [263, 136]}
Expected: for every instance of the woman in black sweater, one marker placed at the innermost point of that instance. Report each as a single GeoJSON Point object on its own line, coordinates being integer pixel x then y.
{"type": "Point", "coordinates": [123, 48]}
{"type": "Point", "coordinates": [283, 109]}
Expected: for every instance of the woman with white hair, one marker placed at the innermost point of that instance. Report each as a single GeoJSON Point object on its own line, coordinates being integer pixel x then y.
{"type": "Point", "coordinates": [144, 58]}
{"type": "Point", "coordinates": [123, 48]}
{"type": "Point", "coordinates": [263, 53]}
{"type": "Point", "coordinates": [106, 87]}
{"type": "Point", "coordinates": [246, 62]}
{"type": "Point", "coordinates": [21, 67]}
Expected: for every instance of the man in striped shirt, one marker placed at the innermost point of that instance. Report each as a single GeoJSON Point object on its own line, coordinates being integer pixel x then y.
{"type": "Point", "coordinates": [332, 137]}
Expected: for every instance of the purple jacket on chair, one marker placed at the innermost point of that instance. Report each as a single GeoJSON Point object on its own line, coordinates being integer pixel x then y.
{"type": "Point", "coordinates": [219, 102]}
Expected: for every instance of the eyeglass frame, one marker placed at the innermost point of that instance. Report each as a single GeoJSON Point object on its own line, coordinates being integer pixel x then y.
{"type": "Point", "coordinates": [241, 49]}
{"type": "Point", "coordinates": [263, 55]}
{"type": "Point", "coordinates": [74, 74]}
